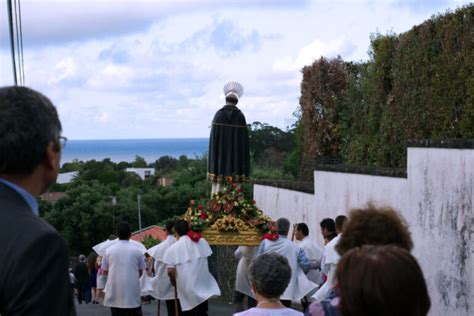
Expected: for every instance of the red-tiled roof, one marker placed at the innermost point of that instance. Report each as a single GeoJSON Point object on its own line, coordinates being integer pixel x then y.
{"type": "Point", "coordinates": [153, 231]}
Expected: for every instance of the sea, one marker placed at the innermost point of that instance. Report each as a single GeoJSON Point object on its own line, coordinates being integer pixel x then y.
{"type": "Point", "coordinates": [126, 149]}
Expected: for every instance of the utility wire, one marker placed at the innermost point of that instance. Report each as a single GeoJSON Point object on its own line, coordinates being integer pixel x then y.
{"type": "Point", "coordinates": [21, 44]}
{"type": "Point", "coordinates": [12, 40]}
{"type": "Point", "coordinates": [17, 41]}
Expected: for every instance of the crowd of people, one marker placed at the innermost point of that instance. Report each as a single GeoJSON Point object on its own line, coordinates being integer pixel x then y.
{"type": "Point", "coordinates": [364, 267]}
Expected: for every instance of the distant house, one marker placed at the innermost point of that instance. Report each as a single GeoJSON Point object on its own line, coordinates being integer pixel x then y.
{"type": "Point", "coordinates": [67, 177]}
{"type": "Point", "coordinates": [154, 231]}
{"type": "Point", "coordinates": [52, 197]}
{"type": "Point", "coordinates": [143, 173]}
{"type": "Point", "coordinates": [164, 182]}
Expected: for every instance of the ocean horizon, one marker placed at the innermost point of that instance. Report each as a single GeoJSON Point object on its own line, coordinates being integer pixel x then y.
{"type": "Point", "coordinates": [118, 150]}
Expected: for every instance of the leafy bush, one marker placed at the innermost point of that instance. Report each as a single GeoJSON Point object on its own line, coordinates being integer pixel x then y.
{"type": "Point", "coordinates": [416, 85]}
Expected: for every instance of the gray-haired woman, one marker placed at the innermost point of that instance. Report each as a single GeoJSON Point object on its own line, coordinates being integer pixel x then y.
{"type": "Point", "coordinates": [270, 274]}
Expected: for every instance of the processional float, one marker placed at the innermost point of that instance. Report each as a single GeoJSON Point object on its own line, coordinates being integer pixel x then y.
{"type": "Point", "coordinates": [227, 217]}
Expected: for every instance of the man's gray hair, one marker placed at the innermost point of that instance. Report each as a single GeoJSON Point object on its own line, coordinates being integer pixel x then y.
{"type": "Point", "coordinates": [29, 122]}
{"type": "Point", "coordinates": [270, 273]}
{"type": "Point", "coordinates": [82, 258]}
{"type": "Point", "coordinates": [283, 226]}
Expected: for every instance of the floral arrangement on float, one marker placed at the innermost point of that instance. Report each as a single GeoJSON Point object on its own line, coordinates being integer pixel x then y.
{"type": "Point", "coordinates": [228, 218]}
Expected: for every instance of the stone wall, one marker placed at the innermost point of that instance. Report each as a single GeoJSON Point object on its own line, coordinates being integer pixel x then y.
{"type": "Point", "coordinates": [223, 266]}
{"type": "Point", "coordinates": [435, 195]}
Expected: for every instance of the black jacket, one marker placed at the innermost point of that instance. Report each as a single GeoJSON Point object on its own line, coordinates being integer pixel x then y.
{"type": "Point", "coordinates": [81, 272]}
{"type": "Point", "coordinates": [34, 277]}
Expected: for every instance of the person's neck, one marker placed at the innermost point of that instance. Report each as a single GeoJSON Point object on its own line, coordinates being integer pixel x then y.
{"type": "Point", "coordinates": [272, 303]}
{"type": "Point", "coordinates": [28, 182]}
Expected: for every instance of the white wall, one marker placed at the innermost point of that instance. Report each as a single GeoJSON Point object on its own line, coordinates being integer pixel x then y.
{"type": "Point", "coordinates": [142, 172]}
{"type": "Point", "coordinates": [441, 216]}
{"type": "Point", "coordinates": [337, 193]}
{"type": "Point", "coordinates": [436, 199]}
{"type": "Point", "coordinates": [67, 177]}
{"type": "Point", "coordinates": [296, 206]}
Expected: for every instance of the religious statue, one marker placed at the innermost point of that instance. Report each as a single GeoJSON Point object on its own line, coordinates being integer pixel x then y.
{"type": "Point", "coordinates": [229, 141]}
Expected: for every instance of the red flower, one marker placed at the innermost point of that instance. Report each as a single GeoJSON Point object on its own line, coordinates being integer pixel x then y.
{"type": "Point", "coordinates": [253, 202]}
{"type": "Point", "coordinates": [200, 207]}
{"type": "Point", "coordinates": [271, 226]}
{"type": "Point", "coordinates": [193, 202]}
{"type": "Point", "coordinates": [195, 236]}
{"type": "Point", "coordinates": [269, 236]}
{"type": "Point", "coordinates": [228, 206]}
{"type": "Point", "coordinates": [214, 205]}
{"type": "Point", "coordinates": [229, 179]}
{"type": "Point", "coordinates": [234, 186]}
{"type": "Point", "coordinates": [203, 215]}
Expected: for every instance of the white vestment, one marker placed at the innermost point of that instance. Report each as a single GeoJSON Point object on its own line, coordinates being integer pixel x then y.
{"type": "Point", "coordinates": [162, 288]}
{"type": "Point", "coordinates": [123, 262]}
{"type": "Point", "coordinates": [146, 287]}
{"type": "Point", "coordinates": [194, 281]}
{"type": "Point", "coordinates": [329, 264]}
{"type": "Point", "coordinates": [242, 279]}
{"type": "Point", "coordinates": [299, 284]}
{"type": "Point", "coordinates": [314, 253]}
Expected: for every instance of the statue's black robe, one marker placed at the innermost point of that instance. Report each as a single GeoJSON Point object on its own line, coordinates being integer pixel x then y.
{"type": "Point", "coordinates": [229, 146]}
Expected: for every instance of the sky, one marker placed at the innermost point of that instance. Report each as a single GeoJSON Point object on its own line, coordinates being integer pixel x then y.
{"type": "Point", "coordinates": [156, 69]}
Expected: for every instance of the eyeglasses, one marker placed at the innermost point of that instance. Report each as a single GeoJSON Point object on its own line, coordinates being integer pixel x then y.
{"type": "Point", "coordinates": [62, 141]}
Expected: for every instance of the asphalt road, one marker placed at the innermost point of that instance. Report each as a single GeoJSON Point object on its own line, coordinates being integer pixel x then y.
{"type": "Point", "coordinates": [216, 308]}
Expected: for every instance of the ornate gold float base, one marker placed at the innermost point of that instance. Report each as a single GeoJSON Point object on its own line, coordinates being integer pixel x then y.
{"type": "Point", "coordinates": [243, 238]}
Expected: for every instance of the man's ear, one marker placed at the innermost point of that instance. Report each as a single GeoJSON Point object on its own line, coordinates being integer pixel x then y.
{"type": "Point", "coordinates": [254, 288]}
{"type": "Point", "coordinates": [52, 156]}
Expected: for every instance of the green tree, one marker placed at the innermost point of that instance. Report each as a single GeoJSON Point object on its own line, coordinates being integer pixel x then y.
{"type": "Point", "coordinates": [139, 162]}
{"type": "Point", "coordinates": [166, 163]}
{"type": "Point", "coordinates": [269, 148]}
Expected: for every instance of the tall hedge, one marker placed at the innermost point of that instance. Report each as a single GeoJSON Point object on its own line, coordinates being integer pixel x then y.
{"type": "Point", "coordinates": [416, 85]}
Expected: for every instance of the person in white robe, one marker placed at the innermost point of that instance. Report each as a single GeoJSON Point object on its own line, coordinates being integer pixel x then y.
{"type": "Point", "coordinates": [162, 287]}
{"type": "Point", "coordinates": [146, 287]}
{"type": "Point", "coordinates": [329, 262]}
{"type": "Point", "coordinates": [313, 252]}
{"type": "Point", "coordinates": [189, 271]}
{"type": "Point", "coordinates": [243, 286]}
{"type": "Point", "coordinates": [299, 285]}
{"type": "Point", "coordinates": [124, 264]}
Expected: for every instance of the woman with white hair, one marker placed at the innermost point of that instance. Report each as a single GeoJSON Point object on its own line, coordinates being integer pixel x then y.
{"type": "Point", "coordinates": [270, 274]}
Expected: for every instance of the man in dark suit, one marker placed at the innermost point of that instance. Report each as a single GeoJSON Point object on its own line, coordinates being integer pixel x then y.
{"type": "Point", "coordinates": [83, 283]}
{"type": "Point", "coordinates": [34, 278]}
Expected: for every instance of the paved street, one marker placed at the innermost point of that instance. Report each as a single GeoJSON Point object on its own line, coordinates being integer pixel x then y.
{"type": "Point", "coordinates": [216, 308]}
